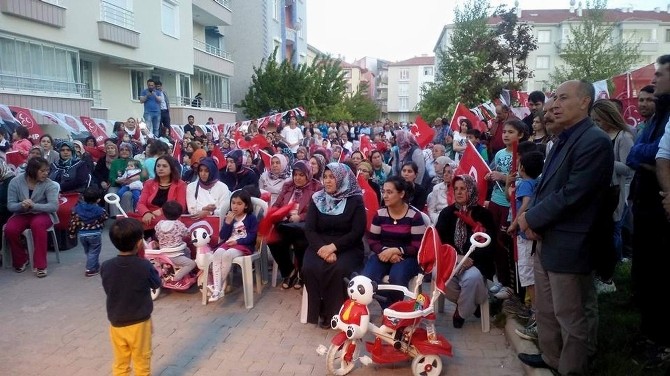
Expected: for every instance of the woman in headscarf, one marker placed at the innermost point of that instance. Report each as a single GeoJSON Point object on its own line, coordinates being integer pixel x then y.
{"type": "Point", "coordinates": [274, 178]}
{"type": "Point", "coordinates": [236, 175]}
{"type": "Point", "coordinates": [116, 169]}
{"type": "Point", "coordinates": [334, 227]}
{"type": "Point", "coordinates": [318, 163]}
{"type": "Point", "coordinates": [82, 154]}
{"type": "Point", "coordinates": [408, 150]}
{"type": "Point", "coordinates": [302, 154]}
{"type": "Point", "coordinates": [365, 168]}
{"type": "Point", "coordinates": [394, 238]}
{"type": "Point", "coordinates": [442, 194]}
{"type": "Point", "coordinates": [100, 174]}
{"type": "Point", "coordinates": [207, 195]}
{"type": "Point", "coordinates": [455, 225]}
{"type": "Point", "coordinates": [35, 151]}
{"type": "Point", "coordinates": [299, 191]}
{"type": "Point", "coordinates": [380, 169]}
{"type": "Point", "coordinates": [70, 172]}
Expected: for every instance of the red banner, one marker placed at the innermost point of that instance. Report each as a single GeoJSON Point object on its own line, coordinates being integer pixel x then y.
{"type": "Point", "coordinates": [370, 199]}
{"type": "Point", "coordinates": [218, 157]}
{"type": "Point", "coordinates": [95, 129]}
{"type": "Point", "coordinates": [472, 164]}
{"type": "Point", "coordinates": [15, 158]}
{"type": "Point", "coordinates": [366, 146]}
{"type": "Point", "coordinates": [27, 120]}
{"type": "Point", "coordinates": [176, 151]}
{"type": "Point", "coordinates": [423, 133]}
{"type": "Point", "coordinates": [267, 159]}
{"type": "Point", "coordinates": [626, 89]}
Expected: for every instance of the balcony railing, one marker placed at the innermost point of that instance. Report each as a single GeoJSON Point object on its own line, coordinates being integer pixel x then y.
{"type": "Point", "coordinates": [223, 3]}
{"type": "Point", "coordinates": [212, 50]}
{"type": "Point", "coordinates": [117, 15]}
{"type": "Point", "coordinates": [203, 103]}
{"type": "Point", "coordinates": [39, 85]}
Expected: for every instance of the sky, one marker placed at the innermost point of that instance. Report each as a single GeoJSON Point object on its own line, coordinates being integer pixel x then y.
{"type": "Point", "coordinates": [396, 30]}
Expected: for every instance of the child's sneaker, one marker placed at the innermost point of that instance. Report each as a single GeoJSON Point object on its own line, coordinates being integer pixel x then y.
{"type": "Point", "coordinates": [216, 295]}
{"type": "Point", "coordinates": [495, 288]}
{"type": "Point", "coordinates": [91, 273]}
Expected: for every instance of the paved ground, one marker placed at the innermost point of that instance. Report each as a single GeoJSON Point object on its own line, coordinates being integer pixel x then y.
{"type": "Point", "coordinates": [58, 326]}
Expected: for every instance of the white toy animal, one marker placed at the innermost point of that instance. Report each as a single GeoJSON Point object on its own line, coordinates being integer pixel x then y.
{"type": "Point", "coordinates": [354, 315]}
{"type": "Point", "coordinates": [200, 239]}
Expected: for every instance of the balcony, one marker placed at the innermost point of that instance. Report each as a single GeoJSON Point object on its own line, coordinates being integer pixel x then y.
{"type": "Point", "coordinates": [182, 108]}
{"type": "Point", "coordinates": [648, 46]}
{"type": "Point", "coordinates": [212, 12]}
{"type": "Point", "coordinates": [53, 88]}
{"type": "Point", "coordinates": [47, 13]}
{"type": "Point", "coordinates": [212, 58]}
{"type": "Point", "coordinates": [117, 25]}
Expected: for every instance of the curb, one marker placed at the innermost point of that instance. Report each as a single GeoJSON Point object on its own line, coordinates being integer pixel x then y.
{"type": "Point", "coordinates": [521, 345]}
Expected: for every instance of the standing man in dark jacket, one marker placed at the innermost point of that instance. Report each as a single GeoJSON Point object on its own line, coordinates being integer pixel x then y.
{"type": "Point", "coordinates": [650, 226]}
{"type": "Point", "coordinates": [567, 202]}
{"type": "Point", "coordinates": [165, 110]}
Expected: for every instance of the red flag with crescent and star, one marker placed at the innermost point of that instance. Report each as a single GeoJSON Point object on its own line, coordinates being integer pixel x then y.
{"type": "Point", "coordinates": [366, 146]}
{"type": "Point", "coordinates": [370, 199]}
{"type": "Point", "coordinates": [472, 164]}
{"type": "Point", "coordinates": [461, 113]}
{"type": "Point", "coordinates": [423, 133]}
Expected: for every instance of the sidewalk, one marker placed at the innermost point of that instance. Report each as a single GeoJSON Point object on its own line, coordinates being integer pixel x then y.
{"type": "Point", "coordinates": [58, 326]}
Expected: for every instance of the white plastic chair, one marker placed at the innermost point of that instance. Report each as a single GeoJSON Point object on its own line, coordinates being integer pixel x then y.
{"type": "Point", "coordinates": [246, 263]}
{"type": "Point", "coordinates": [7, 254]}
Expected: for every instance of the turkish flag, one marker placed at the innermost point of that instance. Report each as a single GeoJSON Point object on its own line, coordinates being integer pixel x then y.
{"type": "Point", "coordinates": [218, 157]}
{"type": "Point", "coordinates": [433, 254]}
{"type": "Point", "coordinates": [370, 199]}
{"type": "Point", "coordinates": [15, 158]}
{"type": "Point", "coordinates": [472, 164]}
{"type": "Point", "coordinates": [176, 133]}
{"type": "Point", "coordinates": [176, 151]}
{"type": "Point", "coordinates": [267, 159]}
{"type": "Point", "coordinates": [94, 129]}
{"type": "Point", "coordinates": [274, 216]}
{"type": "Point", "coordinates": [461, 113]}
{"type": "Point", "coordinates": [26, 119]}
{"type": "Point", "coordinates": [423, 133]}
{"type": "Point", "coordinates": [366, 146]}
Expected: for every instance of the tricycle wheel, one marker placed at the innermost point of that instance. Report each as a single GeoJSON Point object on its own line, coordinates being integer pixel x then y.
{"type": "Point", "coordinates": [426, 365]}
{"type": "Point", "coordinates": [342, 359]}
{"type": "Point", "coordinates": [155, 292]}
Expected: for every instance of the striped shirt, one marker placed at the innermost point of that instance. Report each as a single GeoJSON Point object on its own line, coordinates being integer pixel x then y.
{"type": "Point", "coordinates": [406, 234]}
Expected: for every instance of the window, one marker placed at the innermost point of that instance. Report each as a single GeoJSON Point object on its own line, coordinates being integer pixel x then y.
{"type": "Point", "coordinates": [404, 74]}
{"type": "Point", "coordinates": [136, 83]}
{"type": "Point", "coordinates": [427, 71]}
{"type": "Point", "coordinates": [403, 118]}
{"type": "Point", "coordinates": [275, 9]}
{"type": "Point", "coordinates": [667, 35]}
{"type": "Point", "coordinates": [215, 90]}
{"type": "Point", "coordinates": [542, 62]}
{"type": "Point", "coordinates": [403, 89]}
{"type": "Point", "coordinates": [32, 65]}
{"type": "Point", "coordinates": [347, 74]}
{"type": "Point", "coordinates": [277, 47]}
{"type": "Point", "coordinates": [639, 35]}
{"type": "Point", "coordinates": [347, 88]}
{"type": "Point", "coordinates": [299, 26]}
{"type": "Point", "coordinates": [170, 18]}
{"type": "Point", "coordinates": [544, 36]}
{"type": "Point", "coordinates": [185, 88]}
{"type": "Point", "coordinates": [118, 12]}
{"type": "Point", "coordinates": [403, 103]}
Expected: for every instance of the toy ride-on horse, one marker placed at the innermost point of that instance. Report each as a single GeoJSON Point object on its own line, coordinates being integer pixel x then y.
{"type": "Point", "coordinates": [408, 330]}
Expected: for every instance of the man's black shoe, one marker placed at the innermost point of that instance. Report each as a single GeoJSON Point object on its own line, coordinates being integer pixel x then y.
{"type": "Point", "coordinates": [533, 360]}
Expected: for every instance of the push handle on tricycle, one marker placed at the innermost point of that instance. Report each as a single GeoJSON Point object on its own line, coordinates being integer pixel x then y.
{"type": "Point", "coordinates": [474, 239]}
{"type": "Point", "coordinates": [114, 199]}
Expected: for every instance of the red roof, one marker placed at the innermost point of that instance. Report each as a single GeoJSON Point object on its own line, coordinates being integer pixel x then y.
{"type": "Point", "coordinates": [417, 60]}
{"type": "Point", "coordinates": [556, 16]}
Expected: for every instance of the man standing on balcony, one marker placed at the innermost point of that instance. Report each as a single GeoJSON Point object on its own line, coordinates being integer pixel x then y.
{"type": "Point", "coordinates": [152, 98]}
{"type": "Point", "coordinates": [165, 109]}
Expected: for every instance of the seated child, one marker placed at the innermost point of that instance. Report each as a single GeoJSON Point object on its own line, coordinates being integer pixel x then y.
{"type": "Point", "coordinates": [170, 233]}
{"type": "Point", "coordinates": [474, 136]}
{"type": "Point", "coordinates": [240, 227]}
{"type": "Point", "coordinates": [130, 181]}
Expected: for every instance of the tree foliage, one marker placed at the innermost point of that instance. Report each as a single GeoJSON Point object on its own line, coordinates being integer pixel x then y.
{"type": "Point", "coordinates": [360, 106]}
{"type": "Point", "coordinates": [479, 61]}
{"type": "Point", "coordinates": [594, 51]}
{"type": "Point", "coordinates": [318, 87]}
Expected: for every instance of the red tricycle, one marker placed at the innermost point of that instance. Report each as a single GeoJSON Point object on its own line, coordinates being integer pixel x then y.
{"type": "Point", "coordinates": [408, 327]}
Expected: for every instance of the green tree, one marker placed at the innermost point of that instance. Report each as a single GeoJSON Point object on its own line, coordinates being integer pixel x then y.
{"type": "Point", "coordinates": [360, 106]}
{"type": "Point", "coordinates": [516, 43]}
{"type": "Point", "coordinates": [318, 87]}
{"type": "Point", "coordinates": [594, 51]}
{"type": "Point", "coordinates": [468, 68]}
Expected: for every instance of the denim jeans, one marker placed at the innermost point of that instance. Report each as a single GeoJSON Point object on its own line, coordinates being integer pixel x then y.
{"type": "Point", "coordinates": [399, 273]}
{"type": "Point", "coordinates": [92, 244]}
{"type": "Point", "coordinates": [153, 121]}
{"type": "Point", "coordinates": [135, 192]}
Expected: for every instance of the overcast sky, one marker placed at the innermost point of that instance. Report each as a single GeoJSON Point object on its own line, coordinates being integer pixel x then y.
{"type": "Point", "coordinates": [400, 29]}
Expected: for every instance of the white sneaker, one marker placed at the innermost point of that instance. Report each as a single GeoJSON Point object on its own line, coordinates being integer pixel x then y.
{"type": "Point", "coordinates": [216, 295]}
{"type": "Point", "coordinates": [495, 287]}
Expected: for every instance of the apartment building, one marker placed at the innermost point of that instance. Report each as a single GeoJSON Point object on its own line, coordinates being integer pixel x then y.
{"type": "Point", "coordinates": [405, 79]}
{"type": "Point", "coordinates": [356, 78]}
{"type": "Point", "coordinates": [93, 57]}
{"type": "Point", "coordinates": [261, 26]}
{"type": "Point", "coordinates": [552, 28]}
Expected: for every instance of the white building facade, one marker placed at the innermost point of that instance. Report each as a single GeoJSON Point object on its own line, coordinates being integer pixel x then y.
{"type": "Point", "coordinates": [405, 79]}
